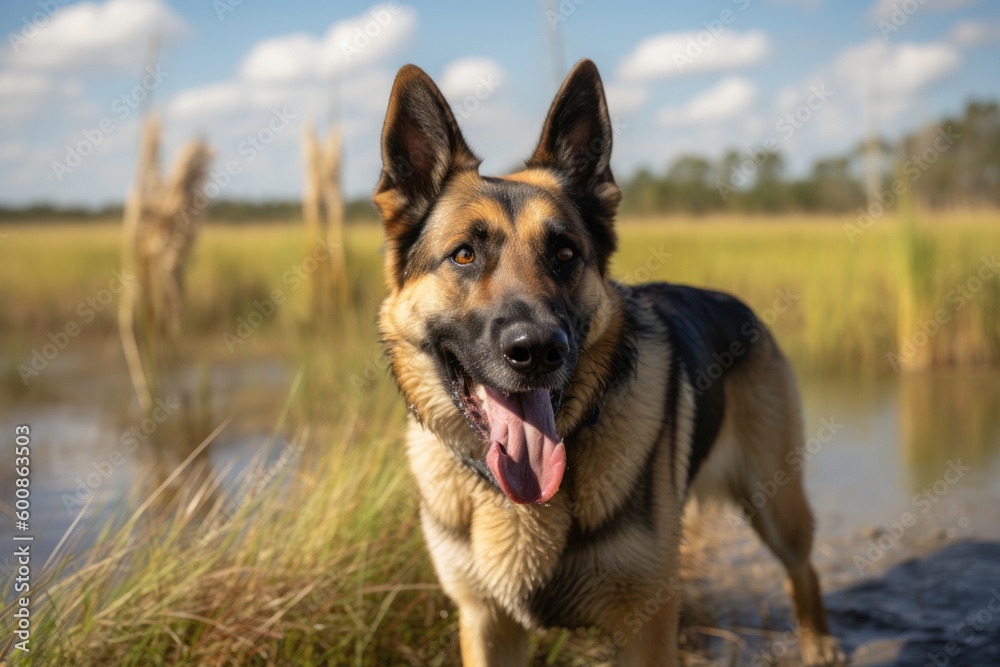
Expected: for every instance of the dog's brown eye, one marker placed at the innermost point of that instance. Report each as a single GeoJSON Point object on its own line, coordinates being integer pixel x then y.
{"type": "Point", "coordinates": [565, 253]}
{"type": "Point", "coordinates": [464, 255]}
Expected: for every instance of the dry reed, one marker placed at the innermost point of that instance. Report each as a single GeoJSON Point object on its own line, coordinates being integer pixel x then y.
{"type": "Point", "coordinates": [323, 212]}
{"type": "Point", "coordinates": [161, 224]}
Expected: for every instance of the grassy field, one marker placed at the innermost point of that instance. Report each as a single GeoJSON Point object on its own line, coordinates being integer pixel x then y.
{"type": "Point", "coordinates": [843, 297]}
{"type": "Point", "coordinates": [318, 559]}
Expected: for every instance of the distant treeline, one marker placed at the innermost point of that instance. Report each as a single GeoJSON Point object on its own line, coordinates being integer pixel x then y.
{"type": "Point", "coordinates": [356, 210]}
{"type": "Point", "coordinates": [47, 212]}
{"type": "Point", "coordinates": [224, 211]}
{"type": "Point", "coordinates": [953, 163]}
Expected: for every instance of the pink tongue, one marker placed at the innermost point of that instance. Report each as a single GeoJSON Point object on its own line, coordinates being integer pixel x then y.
{"type": "Point", "coordinates": [526, 455]}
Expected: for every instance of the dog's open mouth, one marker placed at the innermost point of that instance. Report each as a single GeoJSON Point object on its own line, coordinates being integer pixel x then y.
{"type": "Point", "coordinates": [525, 454]}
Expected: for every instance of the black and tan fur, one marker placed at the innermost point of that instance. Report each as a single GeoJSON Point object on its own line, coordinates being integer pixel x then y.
{"type": "Point", "coordinates": [640, 437]}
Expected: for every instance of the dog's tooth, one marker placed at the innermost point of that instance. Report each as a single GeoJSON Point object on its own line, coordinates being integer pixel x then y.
{"type": "Point", "coordinates": [480, 392]}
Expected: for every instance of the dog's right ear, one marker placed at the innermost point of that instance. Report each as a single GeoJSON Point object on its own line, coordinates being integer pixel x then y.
{"type": "Point", "coordinates": [421, 146]}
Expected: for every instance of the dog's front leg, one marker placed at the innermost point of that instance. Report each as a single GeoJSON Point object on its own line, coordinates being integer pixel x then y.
{"type": "Point", "coordinates": [490, 637]}
{"type": "Point", "coordinates": [653, 641]}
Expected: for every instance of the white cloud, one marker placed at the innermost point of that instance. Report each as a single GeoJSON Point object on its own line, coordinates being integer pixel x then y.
{"type": "Point", "coordinates": [809, 5]}
{"type": "Point", "coordinates": [884, 10]}
{"type": "Point", "coordinates": [215, 98]}
{"type": "Point", "coordinates": [677, 53]}
{"type": "Point", "coordinates": [12, 152]}
{"type": "Point", "coordinates": [369, 38]}
{"type": "Point", "coordinates": [288, 73]}
{"type": "Point", "coordinates": [973, 33]}
{"type": "Point", "coordinates": [868, 87]}
{"type": "Point", "coordinates": [876, 68]}
{"type": "Point", "coordinates": [21, 94]}
{"type": "Point", "coordinates": [24, 93]}
{"type": "Point", "coordinates": [294, 72]}
{"type": "Point", "coordinates": [727, 99]}
{"type": "Point", "coordinates": [625, 98]}
{"type": "Point", "coordinates": [368, 92]}
{"type": "Point", "coordinates": [48, 60]}
{"type": "Point", "coordinates": [469, 76]}
{"type": "Point", "coordinates": [294, 69]}
{"type": "Point", "coordinates": [287, 58]}
{"type": "Point", "coordinates": [15, 84]}
{"type": "Point", "coordinates": [87, 36]}
{"type": "Point", "coordinates": [348, 45]}
{"type": "Point", "coordinates": [786, 98]}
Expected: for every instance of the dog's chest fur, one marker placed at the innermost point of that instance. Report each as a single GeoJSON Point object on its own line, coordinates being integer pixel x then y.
{"type": "Point", "coordinates": [579, 558]}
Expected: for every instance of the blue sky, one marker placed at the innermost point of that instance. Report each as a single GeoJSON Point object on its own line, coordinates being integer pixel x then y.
{"type": "Point", "coordinates": [681, 78]}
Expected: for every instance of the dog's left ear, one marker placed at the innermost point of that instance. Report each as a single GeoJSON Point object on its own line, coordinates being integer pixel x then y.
{"type": "Point", "coordinates": [576, 143]}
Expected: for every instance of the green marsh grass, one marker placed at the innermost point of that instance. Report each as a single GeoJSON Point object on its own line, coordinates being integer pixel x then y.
{"type": "Point", "coordinates": [855, 303]}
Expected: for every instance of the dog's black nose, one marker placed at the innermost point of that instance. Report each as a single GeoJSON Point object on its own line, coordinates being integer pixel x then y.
{"type": "Point", "coordinates": [529, 348]}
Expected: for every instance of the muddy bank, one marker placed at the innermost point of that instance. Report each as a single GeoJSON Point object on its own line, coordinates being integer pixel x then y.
{"type": "Point", "coordinates": [941, 609]}
{"type": "Point", "coordinates": [929, 597]}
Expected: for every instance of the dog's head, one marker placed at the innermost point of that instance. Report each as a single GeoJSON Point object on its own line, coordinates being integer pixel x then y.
{"type": "Point", "coordinates": [496, 285]}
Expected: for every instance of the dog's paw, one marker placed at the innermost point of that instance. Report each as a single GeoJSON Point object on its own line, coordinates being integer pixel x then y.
{"type": "Point", "coordinates": [822, 651]}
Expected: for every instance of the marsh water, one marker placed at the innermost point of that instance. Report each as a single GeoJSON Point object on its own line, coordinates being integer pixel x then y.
{"type": "Point", "coordinates": [900, 469]}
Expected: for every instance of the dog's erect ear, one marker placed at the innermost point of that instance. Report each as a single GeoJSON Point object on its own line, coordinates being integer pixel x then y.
{"type": "Point", "coordinates": [576, 143]}
{"type": "Point", "coordinates": [421, 146]}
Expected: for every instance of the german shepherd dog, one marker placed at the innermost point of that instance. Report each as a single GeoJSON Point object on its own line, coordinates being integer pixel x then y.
{"type": "Point", "coordinates": [557, 427]}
